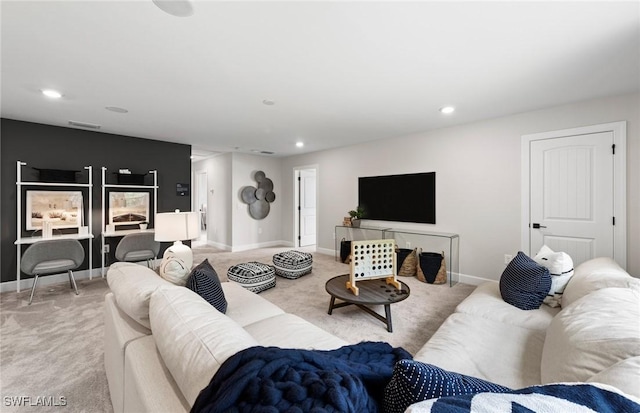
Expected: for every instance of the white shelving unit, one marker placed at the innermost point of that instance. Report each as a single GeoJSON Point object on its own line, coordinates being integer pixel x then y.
{"type": "Point", "coordinates": [110, 234]}
{"type": "Point", "coordinates": [20, 184]}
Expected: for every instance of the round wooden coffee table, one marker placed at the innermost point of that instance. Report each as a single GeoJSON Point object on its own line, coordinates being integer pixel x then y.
{"type": "Point", "coordinates": [372, 292]}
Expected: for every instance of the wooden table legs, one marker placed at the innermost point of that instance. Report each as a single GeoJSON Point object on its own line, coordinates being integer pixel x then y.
{"type": "Point", "coordinates": [385, 319]}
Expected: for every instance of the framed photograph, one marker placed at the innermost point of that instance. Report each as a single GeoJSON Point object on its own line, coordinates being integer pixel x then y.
{"type": "Point", "coordinates": [128, 208]}
{"type": "Point", "coordinates": [62, 208]}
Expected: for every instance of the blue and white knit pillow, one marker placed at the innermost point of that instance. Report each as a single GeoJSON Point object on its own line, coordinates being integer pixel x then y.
{"type": "Point", "coordinates": [524, 283]}
{"type": "Point", "coordinates": [413, 381]}
{"type": "Point", "coordinates": [204, 281]}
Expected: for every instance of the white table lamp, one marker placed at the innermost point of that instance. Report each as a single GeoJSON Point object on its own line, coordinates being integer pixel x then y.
{"type": "Point", "coordinates": [177, 226]}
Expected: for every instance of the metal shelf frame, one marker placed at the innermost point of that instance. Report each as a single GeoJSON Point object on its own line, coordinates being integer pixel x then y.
{"type": "Point", "coordinates": [103, 233]}
{"type": "Point", "coordinates": [20, 240]}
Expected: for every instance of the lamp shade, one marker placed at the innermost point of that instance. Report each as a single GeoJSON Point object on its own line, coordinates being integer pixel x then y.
{"type": "Point", "coordinates": [176, 226]}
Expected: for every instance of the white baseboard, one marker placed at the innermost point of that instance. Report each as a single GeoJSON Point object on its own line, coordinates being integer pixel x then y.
{"type": "Point", "coordinates": [247, 247]}
{"type": "Point", "coordinates": [269, 244]}
{"type": "Point", "coordinates": [326, 251]}
{"type": "Point", "coordinates": [218, 245]}
{"type": "Point", "coordinates": [27, 284]}
{"type": "Point", "coordinates": [472, 279]}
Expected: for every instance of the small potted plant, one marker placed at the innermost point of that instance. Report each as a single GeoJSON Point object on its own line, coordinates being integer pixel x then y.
{"type": "Point", "coordinates": [144, 225]}
{"type": "Point", "coordinates": [356, 215]}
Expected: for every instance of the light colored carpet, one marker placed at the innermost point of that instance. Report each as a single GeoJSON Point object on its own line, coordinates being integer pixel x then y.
{"type": "Point", "coordinates": [53, 348]}
{"type": "Point", "coordinates": [414, 319]}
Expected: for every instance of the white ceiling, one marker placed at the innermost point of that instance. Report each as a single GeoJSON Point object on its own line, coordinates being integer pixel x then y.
{"type": "Point", "coordinates": [339, 72]}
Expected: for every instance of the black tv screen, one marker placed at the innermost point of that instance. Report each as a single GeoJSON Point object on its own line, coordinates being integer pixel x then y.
{"type": "Point", "coordinates": [404, 198]}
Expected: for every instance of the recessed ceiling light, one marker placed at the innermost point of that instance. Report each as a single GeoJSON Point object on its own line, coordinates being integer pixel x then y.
{"type": "Point", "coordinates": [447, 109]}
{"type": "Point", "coordinates": [299, 144]}
{"type": "Point", "coordinates": [178, 8]}
{"type": "Point", "coordinates": [54, 94]}
{"type": "Point", "coordinates": [268, 102]}
{"type": "Point", "coordinates": [116, 109]}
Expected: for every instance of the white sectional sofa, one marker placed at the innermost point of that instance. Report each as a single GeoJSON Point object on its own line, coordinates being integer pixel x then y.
{"type": "Point", "coordinates": [163, 343]}
{"type": "Point", "coordinates": [593, 337]}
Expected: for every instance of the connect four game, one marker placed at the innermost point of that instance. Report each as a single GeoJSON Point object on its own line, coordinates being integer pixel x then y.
{"type": "Point", "coordinates": [372, 259]}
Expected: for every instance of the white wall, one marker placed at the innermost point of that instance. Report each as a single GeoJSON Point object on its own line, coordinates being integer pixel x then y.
{"type": "Point", "coordinates": [229, 225]}
{"type": "Point", "coordinates": [249, 233]}
{"type": "Point", "coordinates": [478, 178]}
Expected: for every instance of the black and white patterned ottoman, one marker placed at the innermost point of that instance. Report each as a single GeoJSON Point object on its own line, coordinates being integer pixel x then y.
{"type": "Point", "coordinates": [254, 276]}
{"type": "Point", "coordinates": [293, 264]}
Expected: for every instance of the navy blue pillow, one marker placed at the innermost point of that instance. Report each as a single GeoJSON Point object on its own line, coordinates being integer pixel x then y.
{"type": "Point", "coordinates": [204, 281]}
{"type": "Point", "coordinates": [524, 283]}
{"type": "Point", "coordinates": [413, 382]}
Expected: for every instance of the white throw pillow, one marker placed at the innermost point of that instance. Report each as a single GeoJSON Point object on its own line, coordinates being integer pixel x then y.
{"type": "Point", "coordinates": [174, 270]}
{"type": "Point", "coordinates": [560, 267]}
{"type": "Point", "coordinates": [132, 286]}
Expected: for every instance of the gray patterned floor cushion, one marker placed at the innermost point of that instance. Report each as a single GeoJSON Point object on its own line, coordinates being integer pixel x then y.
{"type": "Point", "coordinates": [254, 276]}
{"type": "Point", "coordinates": [293, 264]}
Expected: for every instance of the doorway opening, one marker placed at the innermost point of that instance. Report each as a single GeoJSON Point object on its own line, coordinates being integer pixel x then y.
{"type": "Point", "coordinates": [305, 205]}
{"type": "Point", "coordinates": [200, 203]}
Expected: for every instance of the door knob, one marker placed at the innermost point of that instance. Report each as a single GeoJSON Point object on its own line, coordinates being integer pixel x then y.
{"type": "Point", "coordinates": [536, 226]}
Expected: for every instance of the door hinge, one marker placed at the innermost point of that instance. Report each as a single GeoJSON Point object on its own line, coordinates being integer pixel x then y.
{"type": "Point", "coordinates": [614, 220]}
{"type": "Point", "coordinates": [300, 178]}
{"type": "Point", "coordinates": [613, 148]}
{"type": "Point", "coordinates": [299, 237]}
{"type": "Point", "coordinates": [299, 209]}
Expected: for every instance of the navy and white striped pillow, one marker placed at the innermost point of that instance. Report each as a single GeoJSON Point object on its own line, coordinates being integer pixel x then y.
{"type": "Point", "coordinates": [413, 381]}
{"type": "Point", "coordinates": [524, 283]}
{"type": "Point", "coordinates": [204, 281]}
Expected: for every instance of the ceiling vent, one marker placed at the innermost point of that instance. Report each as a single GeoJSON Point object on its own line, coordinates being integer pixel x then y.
{"type": "Point", "coordinates": [84, 125]}
{"type": "Point", "coordinates": [267, 152]}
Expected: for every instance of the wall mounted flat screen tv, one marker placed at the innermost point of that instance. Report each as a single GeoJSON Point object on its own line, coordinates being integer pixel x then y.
{"type": "Point", "coordinates": [403, 198]}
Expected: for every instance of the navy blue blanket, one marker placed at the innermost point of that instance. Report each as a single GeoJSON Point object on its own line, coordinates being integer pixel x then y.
{"type": "Point", "coordinates": [271, 379]}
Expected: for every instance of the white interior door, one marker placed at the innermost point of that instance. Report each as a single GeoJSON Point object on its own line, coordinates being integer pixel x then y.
{"type": "Point", "coordinates": [307, 207]}
{"type": "Point", "coordinates": [572, 195]}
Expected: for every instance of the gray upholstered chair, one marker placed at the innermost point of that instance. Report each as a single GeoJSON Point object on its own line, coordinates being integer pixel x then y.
{"type": "Point", "coordinates": [52, 257]}
{"type": "Point", "coordinates": [138, 247]}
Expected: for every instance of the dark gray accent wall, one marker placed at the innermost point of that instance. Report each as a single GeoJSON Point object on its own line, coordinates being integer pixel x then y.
{"type": "Point", "coordinates": [53, 147]}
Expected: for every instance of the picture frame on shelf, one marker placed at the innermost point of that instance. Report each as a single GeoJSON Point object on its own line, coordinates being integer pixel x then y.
{"type": "Point", "coordinates": [127, 208]}
{"type": "Point", "coordinates": [62, 209]}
